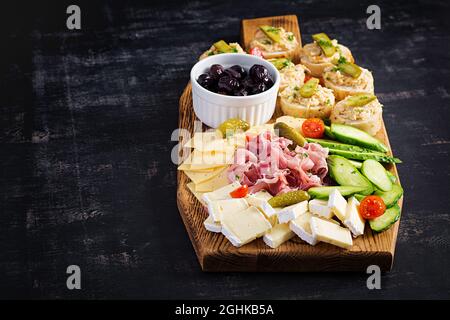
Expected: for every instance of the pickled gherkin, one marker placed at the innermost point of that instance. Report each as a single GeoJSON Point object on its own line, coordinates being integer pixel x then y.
{"type": "Point", "coordinates": [271, 32]}
{"type": "Point", "coordinates": [324, 43]}
{"type": "Point", "coordinates": [289, 198]}
{"type": "Point", "coordinates": [360, 99]}
{"type": "Point", "coordinates": [350, 69]}
{"type": "Point", "coordinates": [290, 133]}
{"type": "Point", "coordinates": [309, 88]}
{"type": "Point", "coordinates": [230, 126]}
{"type": "Point", "coordinates": [280, 63]}
{"type": "Point", "coordinates": [223, 47]}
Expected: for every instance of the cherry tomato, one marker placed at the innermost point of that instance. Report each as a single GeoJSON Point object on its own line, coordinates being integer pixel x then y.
{"type": "Point", "coordinates": [313, 128]}
{"type": "Point", "coordinates": [307, 78]}
{"type": "Point", "coordinates": [371, 207]}
{"type": "Point", "coordinates": [240, 192]}
{"type": "Point", "coordinates": [256, 52]}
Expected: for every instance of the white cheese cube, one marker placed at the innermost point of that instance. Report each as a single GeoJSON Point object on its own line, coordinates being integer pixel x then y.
{"type": "Point", "coordinates": [320, 208]}
{"type": "Point", "coordinates": [331, 233]}
{"type": "Point", "coordinates": [212, 226]}
{"type": "Point", "coordinates": [218, 208]}
{"type": "Point", "coordinates": [353, 219]}
{"type": "Point", "coordinates": [337, 204]}
{"type": "Point", "coordinates": [279, 234]}
{"type": "Point", "coordinates": [301, 227]}
{"type": "Point", "coordinates": [220, 194]}
{"type": "Point", "coordinates": [261, 201]}
{"type": "Point", "coordinates": [287, 214]}
{"type": "Point", "coordinates": [245, 226]}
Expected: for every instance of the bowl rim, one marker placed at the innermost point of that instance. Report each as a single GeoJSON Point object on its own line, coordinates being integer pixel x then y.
{"type": "Point", "coordinates": [274, 72]}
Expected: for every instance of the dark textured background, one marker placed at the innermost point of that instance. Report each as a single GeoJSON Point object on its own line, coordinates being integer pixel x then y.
{"type": "Point", "coordinates": [85, 125]}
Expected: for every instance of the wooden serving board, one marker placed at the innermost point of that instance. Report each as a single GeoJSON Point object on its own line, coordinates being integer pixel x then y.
{"type": "Point", "coordinates": [216, 253]}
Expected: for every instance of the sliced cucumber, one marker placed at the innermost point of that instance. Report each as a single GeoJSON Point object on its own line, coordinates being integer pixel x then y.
{"type": "Point", "coordinates": [375, 155]}
{"type": "Point", "coordinates": [348, 134]}
{"type": "Point", "coordinates": [390, 198]}
{"type": "Point", "coordinates": [384, 222]}
{"type": "Point", "coordinates": [391, 176]}
{"type": "Point", "coordinates": [345, 174]}
{"type": "Point", "coordinates": [324, 192]}
{"type": "Point", "coordinates": [376, 173]}
{"type": "Point", "coordinates": [357, 164]}
{"type": "Point", "coordinates": [328, 132]}
{"type": "Point", "coordinates": [359, 197]}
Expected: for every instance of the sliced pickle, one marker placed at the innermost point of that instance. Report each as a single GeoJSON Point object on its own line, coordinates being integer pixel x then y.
{"type": "Point", "coordinates": [325, 44]}
{"type": "Point", "coordinates": [360, 99]}
{"type": "Point", "coordinates": [290, 133]}
{"type": "Point", "coordinates": [280, 63]}
{"type": "Point", "coordinates": [223, 47]}
{"type": "Point", "coordinates": [271, 32]}
{"type": "Point", "coordinates": [230, 126]}
{"type": "Point", "coordinates": [289, 198]}
{"type": "Point", "coordinates": [350, 69]}
{"type": "Point", "coordinates": [309, 88]}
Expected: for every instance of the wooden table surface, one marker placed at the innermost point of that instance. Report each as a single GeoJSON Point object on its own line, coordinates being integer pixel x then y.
{"type": "Point", "coordinates": [85, 135]}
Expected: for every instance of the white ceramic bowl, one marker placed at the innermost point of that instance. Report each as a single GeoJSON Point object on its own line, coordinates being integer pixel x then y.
{"type": "Point", "coordinates": [212, 108]}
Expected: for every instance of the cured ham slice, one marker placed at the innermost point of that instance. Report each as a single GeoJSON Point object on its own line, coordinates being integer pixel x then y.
{"type": "Point", "coordinates": [266, 163]}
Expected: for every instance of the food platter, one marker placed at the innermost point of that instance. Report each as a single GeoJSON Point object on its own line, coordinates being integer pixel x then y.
{"type": "Point", "coordinates": [215, 253]}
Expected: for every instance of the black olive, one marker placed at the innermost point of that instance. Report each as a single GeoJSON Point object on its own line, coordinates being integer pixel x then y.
{"type": "Point", "coordinates": [258, 72]}
{"type": "Point", "coordinates": [206, 81]}
{"type": "Point", "coordinates": [216, 70]}
{"type": "Point", "coordinates": [239, 69]}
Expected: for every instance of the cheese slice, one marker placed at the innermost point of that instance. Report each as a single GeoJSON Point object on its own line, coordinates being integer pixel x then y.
{"type": "Point", "coordinates": [331, 233]}
{"type": "Point", "coordinates": [212, 226]}
{"type": "Point", "coordinates": [353, 219]}
{"type": "Point", "coordinates": [301, 227]}
{"type": "Point", "coordinates": [198, 195]}
{"type": "Point", "coordinates": [199, 177]}
{"type": "Point", "coordinates": [221, 193]}
{"type": "Point", "coordinates": [337, 204]}
{"type": "Point", "coordinates": [213, 184]}
{"type": "Point", "coordinates": [293, 122]}
{"type": "Point", "coordinates": [287, 214]}
{"type": "Point", "coordinates": [202, 139]}
{"type": "Point", "coordinates": [237, 140]}
{"type": "Point", "coordinates": [245, 226]}
{"type": "Point", "coordinates": [279, 234]}
{"type": "Point", "coordinates": [186, 165]}
{"type": "Point", "coordinates": [217, 208]}
{"type": "Point", "coordinates": [320, 208]}
{"type": "Point", "coordinates": [204, 160]}
{"type": "Point", "coordinates": [261, 201]}
{"type": "Point", "coordinates": [255, 130]}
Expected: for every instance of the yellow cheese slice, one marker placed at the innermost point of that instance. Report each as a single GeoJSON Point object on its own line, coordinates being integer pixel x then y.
{"type": "Point", "coordinates": [198, 195]}
{"type": "Point", "coordinates": [203, 160]}
{"type": "Point", "coordinates": [201, 139]}
{"type": "Point", "coordinates": [199, 177]}
{"type": "Point", "coordinates": [213, 184]}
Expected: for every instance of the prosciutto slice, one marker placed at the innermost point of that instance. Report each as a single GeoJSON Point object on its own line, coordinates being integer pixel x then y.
{"type": "Point", "coordinates": [266, 163]}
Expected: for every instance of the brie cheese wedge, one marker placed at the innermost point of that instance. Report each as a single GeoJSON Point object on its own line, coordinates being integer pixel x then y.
{"type": "Point", "coordinates": [353, 219]}
{"type": "Point", "coordinates": [245, 226]}
{"type": "Point", "coordinates": [331, 233]}
{"type": "Point", "coordinates": [289, 213]}
{"type": "Point", "coordinates": [261, 201]}
{"type": "Point", "coordinates": [221, 193]}
{"type": "Point", "coordinates": [212, 226]}
{"type": "Point", "coordinates": [218, 208]}
{"type": "Point", "coordinates": [337, 204]}
{"type": "Point", "coordinates": [279, 234]}
{"type": "Point", "coordinates": [301, 227]}
{"type": "Point", "coordinates": [320, 208]}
